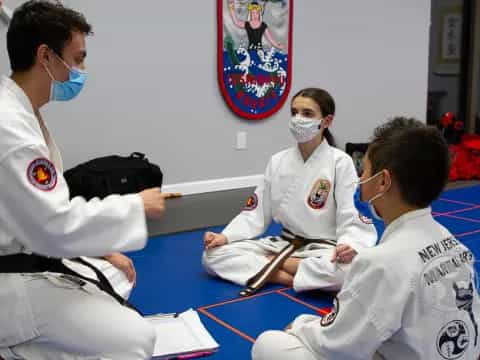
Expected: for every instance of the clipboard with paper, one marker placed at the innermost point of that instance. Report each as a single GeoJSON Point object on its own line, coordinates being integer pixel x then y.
{"type": "Point", "coordinates": [181, 336]}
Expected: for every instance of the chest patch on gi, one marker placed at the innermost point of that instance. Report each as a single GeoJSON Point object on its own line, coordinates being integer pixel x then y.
{"type": "Point", "coordinates": [252, 202]}
{"type": "Point", "coordinates": [365, 219]}
{"type": "Point", "coordinates": [42, 174]}
{"type": "Point", "coordinates": [319, 194]}
{"type": "Point", "coordinates": [453, 340]}
{"type": "Point", "coordinates": [332, 315]}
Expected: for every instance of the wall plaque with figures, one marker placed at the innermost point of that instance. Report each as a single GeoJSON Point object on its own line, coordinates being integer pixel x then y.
{"type": "Point", "coordinates": [255, 55]}
{"type": "Point", "coordinates": [5, 13]}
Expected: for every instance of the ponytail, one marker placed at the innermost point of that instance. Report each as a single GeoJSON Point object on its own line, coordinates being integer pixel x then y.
{"type": "Point", "coordinates": [329, 137]}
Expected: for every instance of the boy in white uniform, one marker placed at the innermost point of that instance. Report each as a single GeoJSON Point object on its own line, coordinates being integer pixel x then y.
{"type": "Point", "coordinates": [309, 190]}
{"type": "Point", "coordinates": [414, 295]}
{"type": "Point", "coordinates": [45, 314]}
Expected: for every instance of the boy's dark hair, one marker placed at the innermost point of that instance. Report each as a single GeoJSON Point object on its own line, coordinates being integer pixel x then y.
{"type": "Point", "coordinates": [416, 154]}
{"type": "Point", "coordinates": [326, 103]}
{"type": "Point", "coordinates": [40, 22]}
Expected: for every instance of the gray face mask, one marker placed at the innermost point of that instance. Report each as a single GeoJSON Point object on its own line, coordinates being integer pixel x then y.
{"type": "Point", "coordinates": [304, 129]}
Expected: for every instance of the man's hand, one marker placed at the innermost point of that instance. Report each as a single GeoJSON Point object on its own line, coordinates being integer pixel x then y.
{"type": "Point", "coordinates": [343, 254]}
{"type": "Point", "coordinates": [124, 264]}
{"type": "Point", "coordinates": [154, 202]}
{"type": "Point", "coordinates": [212, 240]}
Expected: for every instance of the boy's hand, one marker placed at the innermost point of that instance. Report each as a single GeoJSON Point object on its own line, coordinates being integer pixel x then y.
{"type": "Point", "coordinates": [343, 254]}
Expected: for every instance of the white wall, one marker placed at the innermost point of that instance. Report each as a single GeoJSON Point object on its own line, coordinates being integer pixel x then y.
{"type": "Point", "coordinates": [152, 83]}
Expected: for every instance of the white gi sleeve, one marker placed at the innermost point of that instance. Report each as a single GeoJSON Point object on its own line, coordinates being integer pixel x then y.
{"type": "Point", "coordinates": [367, 312]}
{"type": "Point", "coordinates": [257, 215]}
{"type": "Point", "coordinates": [48, 223]}
{"type": "Point", "coordinates": [352, 229]}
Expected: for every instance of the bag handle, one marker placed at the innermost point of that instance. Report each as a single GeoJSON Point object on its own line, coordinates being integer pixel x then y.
{"type": "Point", "coordinates": [137, 155]}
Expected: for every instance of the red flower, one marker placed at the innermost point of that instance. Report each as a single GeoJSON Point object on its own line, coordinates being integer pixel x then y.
{"type": "Point", "coordinates": [447, 119]}
{"type": "Point", "coordinates": [458, 125]}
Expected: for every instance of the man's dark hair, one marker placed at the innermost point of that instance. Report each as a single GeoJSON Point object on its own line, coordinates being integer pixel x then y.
{"type": "Point", "coordinates": [40, 22]}
{"type": "Point", "coordinates": [416, 154]}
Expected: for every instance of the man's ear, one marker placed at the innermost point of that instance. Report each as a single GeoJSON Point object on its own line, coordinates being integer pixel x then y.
{"type": "Point", "coordinates": [43, 54]}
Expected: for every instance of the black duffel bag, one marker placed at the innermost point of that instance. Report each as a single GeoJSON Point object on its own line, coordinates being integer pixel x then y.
{"type": "Point", "coordinates": [113, 174]}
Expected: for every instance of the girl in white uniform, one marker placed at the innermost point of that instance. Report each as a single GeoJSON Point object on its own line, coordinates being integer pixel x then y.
{"type": "Point", "coordinates": [308, 189]}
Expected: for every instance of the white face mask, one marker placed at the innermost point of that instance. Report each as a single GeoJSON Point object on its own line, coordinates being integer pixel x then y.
{"type": "Point", "coordinates": [304, 129]}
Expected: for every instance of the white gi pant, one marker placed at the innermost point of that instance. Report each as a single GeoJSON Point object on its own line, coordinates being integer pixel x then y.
{"type": "Point", "coordinates": [81, 323]}
{"type": "Point", "coordinates": [241, 260]}
{"type": "Point", "coordinates": [280, 345]}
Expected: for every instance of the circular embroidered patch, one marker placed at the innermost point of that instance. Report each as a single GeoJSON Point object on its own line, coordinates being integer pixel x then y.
{"type": "Point", "coordinates": [332, 315]}
{"type": "Point", "coordinates": [42, 174]}
{"type": "Point", "coordinates": [453, 340]}
{"type": "Point", "coordinates": [252, 202]}
{"type": "Point", "coordinates": [365, 219]}
{"type": "Point", "coordinates": [319, 194]}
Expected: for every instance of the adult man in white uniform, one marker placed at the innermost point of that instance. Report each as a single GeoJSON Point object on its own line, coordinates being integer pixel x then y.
{"type": "Point", "coordinates": [47, 315]}
{"type": "Point", "coordinates": [308, 189]}
{"type": "Point", "coordinates": [414, 295]}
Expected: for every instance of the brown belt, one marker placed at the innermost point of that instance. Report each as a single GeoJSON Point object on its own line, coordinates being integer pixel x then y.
{"type": "Point", "coordinates": [289, 236]}
{"type": "Point", "coordinates": [257, 281]}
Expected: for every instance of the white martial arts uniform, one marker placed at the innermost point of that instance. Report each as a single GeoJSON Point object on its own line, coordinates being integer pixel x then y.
{"type": "Point", "coordinates": [44, 316]}
{"type": "Point", "coordinates": [411, 297]}
{"type": "Point", "coordinates": [313, 199]}
{"type": "Point", "coordinates": [115, 277]}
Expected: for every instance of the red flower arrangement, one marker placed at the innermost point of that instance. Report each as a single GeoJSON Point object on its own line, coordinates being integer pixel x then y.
{"type": "Point", "coordinates": [446, 120]}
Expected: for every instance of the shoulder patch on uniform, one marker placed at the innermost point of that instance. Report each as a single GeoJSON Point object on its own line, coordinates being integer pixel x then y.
{"type": "Point", "coordinates": [252, 202]}
{"type": "Point", "coordinates": [332, 315]}
{"type": "Point", "coordinates": [365, 219]}
{"type": "Point", "coordinates": [453, 340]}
{"type": "Point", "coordinates": [42, 174]}
{"type": "Point", "coordinates": [319, 194]}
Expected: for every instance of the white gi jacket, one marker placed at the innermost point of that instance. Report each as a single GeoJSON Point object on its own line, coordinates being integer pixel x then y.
{"type": "Point", "coordinates": [411, 297]}
{"type": "Point", "coordinates": [313, 199]}
{"type": "Point", "coordinates": [37, 216]}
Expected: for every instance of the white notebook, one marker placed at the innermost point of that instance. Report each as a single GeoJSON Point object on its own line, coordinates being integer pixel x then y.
{"type": "Point", "coordinates": [182, 334]}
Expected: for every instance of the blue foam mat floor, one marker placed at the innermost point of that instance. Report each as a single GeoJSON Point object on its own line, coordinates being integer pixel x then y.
{"type": "Point", "coordinates": [171, 279]}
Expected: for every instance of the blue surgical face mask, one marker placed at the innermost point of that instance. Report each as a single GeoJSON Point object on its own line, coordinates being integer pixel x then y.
{"type": "Point", "coordinates": [366, 207]}
{"type": "Point", "coordinates": [67, 90]}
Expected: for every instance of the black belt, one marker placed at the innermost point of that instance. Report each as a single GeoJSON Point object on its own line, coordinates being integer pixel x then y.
{"type": "Point", "coordinates": [257, 281]}
{"type": "Point", "coordinates": [25, 263]}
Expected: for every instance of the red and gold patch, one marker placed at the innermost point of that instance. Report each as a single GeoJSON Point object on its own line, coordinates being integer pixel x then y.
{"type": "Point", "coordinates": [252, 202]}
{"type": "Point", "coordinates": [319, 194]}
{"type": "Point", "coordinates": [332, 315]}
{"type": "Point", "coordinates": [42, 174]}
